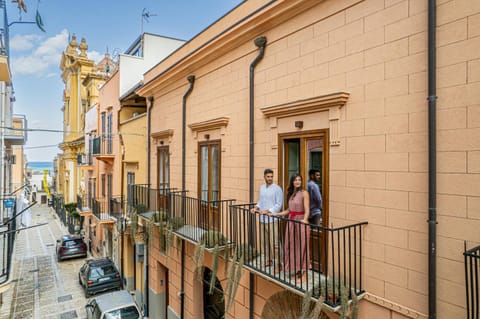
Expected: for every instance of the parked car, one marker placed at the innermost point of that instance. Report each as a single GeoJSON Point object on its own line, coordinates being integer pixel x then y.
{"type": "Point", "coordinates": [70, 246]}
{"type": "Point", "coordinates": [98, 275]}
{"type": "Point", "coordinates": [117, 304]}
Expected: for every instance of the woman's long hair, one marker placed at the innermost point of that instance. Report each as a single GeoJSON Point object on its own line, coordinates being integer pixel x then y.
{"type": "Point", "coordinates": [291, 191]}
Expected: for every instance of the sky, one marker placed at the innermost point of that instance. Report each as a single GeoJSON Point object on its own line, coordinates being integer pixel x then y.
{"type": "Point", "coordinates": [107, 25]}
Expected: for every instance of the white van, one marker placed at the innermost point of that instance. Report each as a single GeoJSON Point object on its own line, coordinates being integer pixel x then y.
{"type": "Point", "coordinates": [113, 305]}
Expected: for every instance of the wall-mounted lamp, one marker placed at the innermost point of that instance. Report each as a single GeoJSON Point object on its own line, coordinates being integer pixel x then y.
{"type": "Point", "coordinates": [299, 124]}
{"type": "Point", "coordinates": [161, 142]}
{"type": "Point", "coordinates": [207, 136]}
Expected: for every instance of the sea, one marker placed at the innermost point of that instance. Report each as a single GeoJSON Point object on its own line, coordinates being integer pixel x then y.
{"type": "Point", "coordinates": [39, 167]}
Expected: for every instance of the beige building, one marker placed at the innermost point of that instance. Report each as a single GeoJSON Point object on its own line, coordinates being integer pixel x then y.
{"type": "Point", "coordinates": [339, 85]}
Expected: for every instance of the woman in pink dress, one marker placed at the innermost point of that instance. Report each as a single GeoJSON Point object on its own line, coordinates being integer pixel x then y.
{"type": "Point", "coordinates": [297, 234]}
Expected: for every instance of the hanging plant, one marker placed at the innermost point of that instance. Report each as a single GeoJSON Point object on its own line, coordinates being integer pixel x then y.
{"type": "Point", "coordinates": [343, 302]}
{"type": "Point", "coordinates": [317, 310]}
{"type": "Point", "coordinates": [150, 233]}
{"type": "Point", "coordinates": [231, 274]}
{"type": "Point", "coordinates": [355, 305]}
{"type": "Point", "coordinates": [161, 237]}
{"type": "Point", "coordinates": [168, 241]}
{"type": "Point", "coordinates": [133, 227]}
{"type": "Point", "coordinates": [236, 281]}
{"type": "Point", "coordinates": [306, 304]}
{"type": "Point", "coordinates": [225, 259]}
{"type": "Point", "coordinates": [198, 260]}
{"type": "Point", "coordinates": [213, 278]}
{"type": "Point", "coordinates": [212, 238]}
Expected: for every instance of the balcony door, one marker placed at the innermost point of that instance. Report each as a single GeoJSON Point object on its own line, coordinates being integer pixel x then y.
{"type": "Point", "coordinates": [209, 184]}
{"type": "Point", "coordinates": [163, 173]}
{"type": "Point", "coordinates": [298, 154]}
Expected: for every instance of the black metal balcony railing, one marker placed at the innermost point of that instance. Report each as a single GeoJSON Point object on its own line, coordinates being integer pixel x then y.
{"type": "Point", "coordinates": [104, 208]}
{"type": "Point", "coordinates": [103, 145]}
{"type": "Point", "coordinates": [205, 221]}
{"type": "Point", "coordinates": [310, 257]}
{"type": "Point", "coordinates": [58, 205]}
{"type": "Point", "coordinates": [472, 270]}
{"type": "Point", "coordinates": [7, 239]}
{"type": "Point", "coordinates": [85, 159]}
{"type": "Point", "coordinates": [326, 261]}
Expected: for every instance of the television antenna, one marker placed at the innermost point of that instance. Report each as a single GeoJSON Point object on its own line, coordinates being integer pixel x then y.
{"type": "Point", "coordinates": [146, 15]}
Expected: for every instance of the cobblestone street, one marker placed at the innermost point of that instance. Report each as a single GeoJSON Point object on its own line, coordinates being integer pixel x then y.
{"type": "Point", "coordinates": [43, 287]}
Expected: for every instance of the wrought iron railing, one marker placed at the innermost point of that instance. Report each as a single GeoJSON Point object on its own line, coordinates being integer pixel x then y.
{"type": "Point", "coordinates": [104, 145]}
{"type": "Point", "coordinates": [58, 205]}
{"type": "Point", "coordinates": [326, 261]}
{"type": "Point", "coordinates": [104, 208]}
{"type": "Point", "coordinates": [472, 270]}
{"type": "Point", "coordinates": [200, 220]}
{"type": "Point", "coordinates": [7, 239]}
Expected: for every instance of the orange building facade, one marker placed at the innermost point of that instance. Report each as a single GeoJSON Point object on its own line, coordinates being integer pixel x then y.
{"type": "Point", "coordinates": [336, 85]}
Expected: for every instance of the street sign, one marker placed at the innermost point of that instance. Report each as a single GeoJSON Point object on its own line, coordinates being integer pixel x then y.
{"type": "Point", "coordinates": [9, 203]}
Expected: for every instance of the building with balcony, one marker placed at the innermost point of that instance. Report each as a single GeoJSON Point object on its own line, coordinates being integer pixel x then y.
{"type": "Point", "coordinates": [13, 136]}
{"type": "Point", "coordinates": [82, 79]}
{"type": "Point", "coordinates": [116, 131]}
{"type": "Point", "coordinates": [340, 86]}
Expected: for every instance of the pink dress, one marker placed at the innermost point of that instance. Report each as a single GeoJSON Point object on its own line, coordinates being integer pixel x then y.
{"type": "Point", "coordinates": [297, 237]}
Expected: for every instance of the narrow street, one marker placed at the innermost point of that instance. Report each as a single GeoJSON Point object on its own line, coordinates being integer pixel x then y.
{"type": "Point", "coordinates": [43, 288]}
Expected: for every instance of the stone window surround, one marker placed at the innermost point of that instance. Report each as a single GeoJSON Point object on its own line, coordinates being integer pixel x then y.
{"type": "Point", "coordinates": [329, 102]}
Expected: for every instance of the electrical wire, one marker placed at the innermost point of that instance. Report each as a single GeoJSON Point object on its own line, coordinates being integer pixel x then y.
{"type": "Point", "coordinates": [61, 131]}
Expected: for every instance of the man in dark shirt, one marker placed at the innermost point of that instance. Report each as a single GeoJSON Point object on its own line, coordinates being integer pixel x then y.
{"type": "Point", "coordinates": [315, 197]}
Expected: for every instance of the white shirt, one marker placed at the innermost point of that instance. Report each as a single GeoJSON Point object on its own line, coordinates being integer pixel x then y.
{"type": "Point", "coordinates": [271, 199]}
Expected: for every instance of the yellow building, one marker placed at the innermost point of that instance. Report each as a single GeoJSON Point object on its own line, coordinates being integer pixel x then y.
{"type": "Point", "coordinates": [82, 79]}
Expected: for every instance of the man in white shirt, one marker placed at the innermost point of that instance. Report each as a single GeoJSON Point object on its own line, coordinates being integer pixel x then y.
{"type": "Point", "coordinates": [270, 201]}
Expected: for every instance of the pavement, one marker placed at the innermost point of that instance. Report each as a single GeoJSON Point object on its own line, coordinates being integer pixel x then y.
{"type": "Point", "coordinates": [43, 288]}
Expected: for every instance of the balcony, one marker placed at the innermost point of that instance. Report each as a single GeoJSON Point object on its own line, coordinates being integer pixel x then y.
{"type": "Point", "coordinates": [103, 148]}
{"type": "Point", "coordinates": [84, 205]}
{"type": "Point", "coordinates": [472, 273]}
{"type": "Point", "coordinates": [85, 161]}
{"type": "Point", "coordinates": [108, 209]}
{"type": "Point", "coordinates": [18, 134]}
{"type": "Point", "coordinates": [7, 239]}
{"type": "Point", "coordinates": [331, 269]}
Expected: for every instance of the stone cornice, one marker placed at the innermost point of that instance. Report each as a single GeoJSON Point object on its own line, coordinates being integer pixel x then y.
{"type": "Point", "coordinates": [217, 123]}
{"type": "Point", "coordinates": [162, 134]}
{"type": "Point", "coordinates": [305, 106]}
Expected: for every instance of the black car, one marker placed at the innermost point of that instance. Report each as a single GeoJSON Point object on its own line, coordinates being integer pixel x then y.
{"type": "Point", "coordinates": [98, 275]}
{"type": "Point", "coordinates": [70, 246]}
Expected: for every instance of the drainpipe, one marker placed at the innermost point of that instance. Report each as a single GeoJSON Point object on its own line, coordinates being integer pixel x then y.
{"type": "Point", "coordinates": [260, 42]}
{"type": "Point", "coordinates": [432, 161]}
{"type": "Point", "coordinates": [150, 100]}
{"type": "Point", "coordinates": [122, 228]}
{"type": "Point", "coordinates": [191, 80]}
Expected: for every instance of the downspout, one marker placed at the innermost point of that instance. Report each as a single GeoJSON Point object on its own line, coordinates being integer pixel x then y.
{"type": "Point", "coordinates": [191, 80]}
{"type": "Point", "coordinates": [150, 100]}
{"type": "Point", "coordinates": [122, 228]}
{"type": "Point", "coordinates": [260, 42]}
{"type": "Point", "coordinates": [432, 161]}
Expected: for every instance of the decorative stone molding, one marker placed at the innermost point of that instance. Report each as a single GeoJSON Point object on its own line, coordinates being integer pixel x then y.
{"type": "Point", "coordinates": [395, 307]}
{"type": "Point", "coordinates": [218, 123]}
{"type": "Point", "coordinates": [331, 102]}
{"type": "Point", "coordinates": [165, 134]}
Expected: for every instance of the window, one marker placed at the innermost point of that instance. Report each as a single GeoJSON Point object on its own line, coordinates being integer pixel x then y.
{"type": "Point", "coordinates": [109, 133]}
{"type": "Point", "coordinates": [163, 168]}
{"type": "Point", "coordinates": [209, 184]}
{"type": "Point", "coordinates": [209, 164]}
